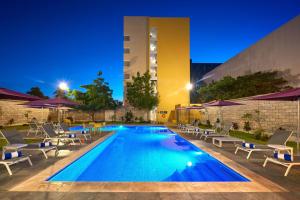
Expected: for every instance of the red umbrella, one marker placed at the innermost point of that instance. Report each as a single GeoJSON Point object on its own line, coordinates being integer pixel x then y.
{"type": "Point", "coordinates": [287, 95]}
{"type": "Point", "coordinates": [56, 102]}
{"type": "Point", "coordinates": [10, 94]}
{"type": "Point", "coordinates": [220, 104]}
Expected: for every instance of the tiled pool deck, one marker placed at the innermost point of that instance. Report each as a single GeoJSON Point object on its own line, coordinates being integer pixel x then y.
{"type": "Point", "coordinates": [260, 186]}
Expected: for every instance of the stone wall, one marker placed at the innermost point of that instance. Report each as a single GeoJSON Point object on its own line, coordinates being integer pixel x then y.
{"type": "Point", "coordinates": [273, 114]}
{"type": "Point", "coordinates": [13, 113]}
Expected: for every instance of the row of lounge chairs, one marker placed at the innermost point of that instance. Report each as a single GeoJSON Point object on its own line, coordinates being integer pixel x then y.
{"type": "Point", "coordinates": [275, 150]}
{"type": "Point", "coordinates": [12, 153]}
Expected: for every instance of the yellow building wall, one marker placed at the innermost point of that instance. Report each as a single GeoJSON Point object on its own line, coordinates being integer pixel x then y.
{"type": "Point", "coordinates": [173, 64]}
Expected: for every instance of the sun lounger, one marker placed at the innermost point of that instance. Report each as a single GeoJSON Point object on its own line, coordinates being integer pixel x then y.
{"type": "Point", "coordinates": [211, 133]}
{"type": "Point", "coordinates": [83, 133]}
{"type": "Point", "coordinates": [34, 128]}
{"type": "Point", "coordinates": [285, 160]}
{"type": "Point", "coordinates": [280, 137]}
{"type": "Point", "coordinates": [11, 158]}
{"type": "Point", "coordinates": [16, 142]}
{"type": "Point", "coordinates": [51, 135]}
{"type": "Point", "coordinates": [218, 141]}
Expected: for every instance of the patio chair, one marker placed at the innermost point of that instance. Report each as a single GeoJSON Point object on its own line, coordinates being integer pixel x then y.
{"type": "Point", "coordinates": [15, 142]}
{"type": "Point", "coordinates": [277, 140]}
{"type": "Point", "coordinates": [51, 135]}
{"type": "Point", "coordinates": [285, 160]}
{"type": "Point", "coordinates": [11, 158]}
{"type": "Point", "coordinates": [66, 130]}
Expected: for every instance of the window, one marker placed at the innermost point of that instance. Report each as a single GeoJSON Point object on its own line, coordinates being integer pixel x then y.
{"type": "Point", "coordinates": [126, 63]}
{"type": "Point", "coordinates": [126, 50]}
{"type": "Point", "coordinates": [126, 76]}
{"type": "Point", "coordinates": [126, 38]}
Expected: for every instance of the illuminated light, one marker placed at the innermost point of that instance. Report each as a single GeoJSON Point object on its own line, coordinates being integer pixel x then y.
{"type": "Point", "coordinates": [198, 153]}
{"type": "Point", "coordinates": [63, 86]}
{"type": "Point", "coordinates": [152, 47]}
{"type": "Point", "coordinates": [189, 164]}
{"type": "Point", "coordinates": [189, 86]}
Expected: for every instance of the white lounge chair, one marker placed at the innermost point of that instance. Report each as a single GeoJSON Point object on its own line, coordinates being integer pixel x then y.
{"type": "Point", "coordinates": [279, 139]}
{"type": "Point", "coordinates": [51, 135]}
{"type": "Point", "coordinates": [7, 162]}
{"type": "Point", "coordinates": [285, 160]}
{"type": "Point", "coordinates": [66, 130]}
{"type": "Point", "coordinates": [15, 142]}
{"type": "Point", "coordinates": [211, 133]}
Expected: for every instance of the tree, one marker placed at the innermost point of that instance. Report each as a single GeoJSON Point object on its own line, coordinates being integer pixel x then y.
{"type": "Point", "coordinates": [242, 86]}
{"type": "Point", "coordinates": [36, 91]}
{"type": "Point", "coordinates": [59, 93]}
{"type": "Point", "coordinates": [140, 92]}
{"type": "Point", "coordinates": [97, 96]}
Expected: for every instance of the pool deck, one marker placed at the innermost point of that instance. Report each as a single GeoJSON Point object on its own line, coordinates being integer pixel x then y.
{"type": "Point", "coordinates": [265, 183]}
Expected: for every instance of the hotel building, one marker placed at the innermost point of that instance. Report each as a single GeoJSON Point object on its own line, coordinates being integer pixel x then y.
{"type": "Point", "coordinates": [162, 47]}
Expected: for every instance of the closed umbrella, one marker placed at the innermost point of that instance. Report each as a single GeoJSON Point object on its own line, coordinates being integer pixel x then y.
{"type": "Point", "coordinates": [287, 95]}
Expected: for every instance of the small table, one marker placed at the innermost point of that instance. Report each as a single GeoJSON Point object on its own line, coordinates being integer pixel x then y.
{"type": "Point", "coordinates": [218, 141]}
{"type": "Point", "coordinates": [281, 148]}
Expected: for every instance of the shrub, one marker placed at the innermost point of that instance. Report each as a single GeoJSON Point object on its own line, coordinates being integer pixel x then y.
{"type": "Point", "coordinates": [208, 123]}
{"type": "Point", "coordinates": [247, 126]}
{"type": "Point", "coordinates": [264, 137]}
{"type": "Point", "coordinates": [235, 126]}
{"type": "Point", "coordinates": [70, 119]}
{"type": "Point", "coordinates": [141, 119]}
{"type": "Point", "coordinates": [218, 120]}
{"type": "Point", "coordinates": [128, 116]}
{"type": "Point", "coordinates": [10, 122]}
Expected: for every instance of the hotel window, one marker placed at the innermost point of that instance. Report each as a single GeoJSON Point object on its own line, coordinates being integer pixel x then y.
{"type": "Point", "coordinates": [126, 38]}
{"type": "Point", "coordinates": [126, 76]}
{"type": "Point", "coordinates": [126, 63]}
{"type": "Point", "coordinates": [126, 50]}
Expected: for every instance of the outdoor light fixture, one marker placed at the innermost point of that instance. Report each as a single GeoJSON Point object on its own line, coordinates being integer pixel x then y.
{"type": "Point", "coordinates": [189, 86]}
{"type": "Point", "coordinates": [63, 86]}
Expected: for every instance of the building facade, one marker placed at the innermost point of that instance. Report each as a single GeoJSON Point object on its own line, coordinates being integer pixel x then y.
{"type": "Point", "coordinates": [162, 47]}
{"type": "Point", "coordinates": [277, 51]}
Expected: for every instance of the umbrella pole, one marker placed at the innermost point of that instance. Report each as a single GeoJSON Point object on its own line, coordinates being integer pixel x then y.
{"type": "Point", "coordinates": [298, 129]}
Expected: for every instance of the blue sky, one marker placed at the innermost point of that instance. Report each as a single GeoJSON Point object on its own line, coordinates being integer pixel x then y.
{"type": "Point", "coordinates": [43, 42]}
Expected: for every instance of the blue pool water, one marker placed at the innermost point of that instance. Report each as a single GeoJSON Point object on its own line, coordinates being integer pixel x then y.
{"type": "Point", "coordinates": [146, 154]}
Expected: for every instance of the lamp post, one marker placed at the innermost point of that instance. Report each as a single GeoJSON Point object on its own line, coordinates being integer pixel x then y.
{"type": "Point", "coordinates": [64, 87]}
{"type": "Point", "coordinates": [189, 87]}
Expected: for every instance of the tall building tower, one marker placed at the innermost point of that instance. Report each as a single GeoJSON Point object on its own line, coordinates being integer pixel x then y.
{"type": "Point", "coordinates": [161, 46]}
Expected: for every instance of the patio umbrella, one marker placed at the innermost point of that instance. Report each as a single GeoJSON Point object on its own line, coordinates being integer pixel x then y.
{"type": "Point", "coordinates": [287, 95]}
{"type": "Point", "coordinates": [10, 94]}
{"type": "Point", "coordinates": [220, 104]}
{"type": "Point", "coordinates": [58, 103]}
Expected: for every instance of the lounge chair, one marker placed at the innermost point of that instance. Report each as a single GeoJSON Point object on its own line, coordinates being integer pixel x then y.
{"type": "Point", "coordinates": [11, 158]}
{"type": "Point", "coordinates": [285, 160]}
{"type": "Point", "coordinates": [51, 135]}
{"type": "Point", "coordinates": [15, 142]}
{"type": "Point", "coordinates": [66, 130]}
{"type": "Point", "coordinates": [211, 133]}
{"type": "Point", "coordinates": [279, 138]}
{"type": "Point", "coordinates": [34, 128]}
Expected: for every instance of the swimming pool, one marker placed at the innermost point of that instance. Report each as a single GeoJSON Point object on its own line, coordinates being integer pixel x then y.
{"type": "Point", "coordinates": [146, 154]}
